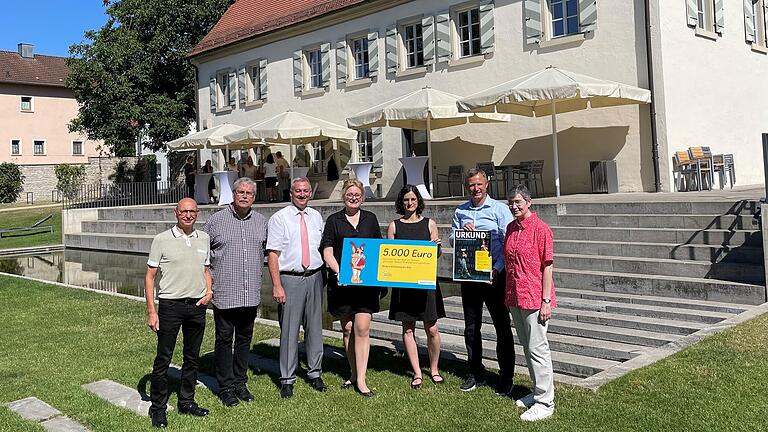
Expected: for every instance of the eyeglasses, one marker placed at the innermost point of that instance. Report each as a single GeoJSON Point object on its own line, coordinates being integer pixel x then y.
{"type": "Point", "coordinates": [517, 203]}
{"type": "Point", "coordinates": [353, 195]}
{"type": "Point", "coordinates": [242, 192]}
{"type": "Point", "coordinates": [187, 211]}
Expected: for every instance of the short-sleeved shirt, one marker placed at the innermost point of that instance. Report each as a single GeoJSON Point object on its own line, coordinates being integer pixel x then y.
{"type": "Point", "coordinates": [237, 257]}
{"type": "Point", "coordinates": [285, 237]}
{"type": "Point", "coordinates": [492, 216]}
{"type": "Point", "coordinates": [182, 260]}
{"type": "Point", "coordinates": [270, 169]}
{"type": "Point", "coordinates": [528, 248]}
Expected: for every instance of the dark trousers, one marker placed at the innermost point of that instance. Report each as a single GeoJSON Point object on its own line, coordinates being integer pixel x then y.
{"type": "Point", "coordinates": [190, 191]}
{"type": "Point", "coordinates": [175, 315]}
{"type": "Point", "coordinates": [473, 295]}
{"type": "Point", "coordinates": [237, 324]}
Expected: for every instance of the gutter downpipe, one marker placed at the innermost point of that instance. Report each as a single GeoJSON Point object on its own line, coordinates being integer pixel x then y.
{"type": "Point", "coordinates": [654, 133]}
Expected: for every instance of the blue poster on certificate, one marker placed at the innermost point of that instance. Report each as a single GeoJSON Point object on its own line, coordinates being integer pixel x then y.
{"type": "Point", "coordinates": [388, 263]}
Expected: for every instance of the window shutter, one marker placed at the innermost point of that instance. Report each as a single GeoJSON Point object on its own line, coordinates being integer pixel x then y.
{"type": "Point", "coordinates": [533, 21]}
{"type": "Point", "coordinates": [232, 88]}
{"type": "Point", "coordinates": [212, 91]}
{"type": "Point", "coordinates": [428, 38]}
{"type": "Point", "coordinates": [241, 85]}
{"type": "Point", "coordinates": [373, 54]}
{"type": "Point", "coordinates": [263, 79]}
{"type": "Point", "coordinates": [377, 147]}
{"type": "Point", "coordinates": [443, 36]}
{"type": "Point", "coordinates": [392, 63]}
{"type": "Point", "coordinates": [487, 38]}
{"type": "Point", "coordinates": [325, 62]}
{"type": "Point", "coordinates": [719, 16]}
{"type": "Point", "coordinates": [692, 12]}
{"type": "Point", "coordinates": [588, 15]}
{"type": "Point", "coordinates": [298, 68]}
{"type": "Point", "coordinates": [749, 24]}
{"type": "Point", "coordinates": [341, 61]}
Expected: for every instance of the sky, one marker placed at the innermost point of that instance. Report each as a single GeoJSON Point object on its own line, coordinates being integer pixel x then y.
{"type": "Point", "coordinates": [50, 25]}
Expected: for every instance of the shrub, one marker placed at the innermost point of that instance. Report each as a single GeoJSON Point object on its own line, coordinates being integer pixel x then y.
{"type": "Point", "coordinates": [69, 177]}
{"type": "Point", "coordinates": [11, 182]}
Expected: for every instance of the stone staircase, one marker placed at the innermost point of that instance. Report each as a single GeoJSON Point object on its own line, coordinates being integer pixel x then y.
{"type": "Point", "coordinates": [631, 277]}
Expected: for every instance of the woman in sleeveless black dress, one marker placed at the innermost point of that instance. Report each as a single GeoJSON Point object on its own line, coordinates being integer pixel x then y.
{"type": "Point", "coordinates": [411, 305]}
{"type": "Point", "coordinates": [353, 305]}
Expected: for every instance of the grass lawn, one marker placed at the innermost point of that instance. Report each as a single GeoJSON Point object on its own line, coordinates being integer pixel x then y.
{"type": "Point", "coordinates": [56, 339]}
{"type": "Point", "coordinates": [23, 218]}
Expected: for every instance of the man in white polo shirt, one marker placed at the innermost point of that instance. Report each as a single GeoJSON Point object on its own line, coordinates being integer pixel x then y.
{"type": "Point", "coordinates": [182, 254]}
{"type": "Point", "coordinates": [294, 261]}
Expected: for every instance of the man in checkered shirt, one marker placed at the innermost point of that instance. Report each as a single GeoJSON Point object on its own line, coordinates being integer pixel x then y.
{"type": "Point", "coordinates": [238, 235]}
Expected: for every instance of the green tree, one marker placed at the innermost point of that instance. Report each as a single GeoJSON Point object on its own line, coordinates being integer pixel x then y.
{"type": "Point", "coordinates": [69, 178]}
{"type": "Point", "coordinates": [133, 72]}
{"type": "Point", "coordinates": [11, 182]}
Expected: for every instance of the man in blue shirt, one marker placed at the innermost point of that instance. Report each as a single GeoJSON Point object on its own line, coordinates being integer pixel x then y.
{"type": "Point", "coordinates": [483, 213]}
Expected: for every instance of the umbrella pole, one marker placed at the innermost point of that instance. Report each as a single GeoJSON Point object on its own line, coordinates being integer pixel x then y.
{"type": "Point", "coordinates": [429, 154]}
{"type": "Point", "coordinates": [554, 149]}
{"type": "Point", "coordinates": [290, 153]}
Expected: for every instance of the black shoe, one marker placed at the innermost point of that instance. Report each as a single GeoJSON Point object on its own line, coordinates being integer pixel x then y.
{"type": "Point", "coordinates": [286, 391]}
{"type": "Point", "coordinates": [228, 398]}
{"type": "Point", "coordinates": [243, 394]}
{"type": "Point", "coordinates": [159, 419]}
{"type": "Point", "coordinates": [193, 409]}
{"type": "Point", "coordinates": [504, 388]}
{"type": "Point", "coordinates": [318, 384]}
{"type": "Point", "coordinates": [348, 384]}
{"type": "Point", "coordinates": [369, 393]}
{"type": "Point", "coordinates": [471, 383]}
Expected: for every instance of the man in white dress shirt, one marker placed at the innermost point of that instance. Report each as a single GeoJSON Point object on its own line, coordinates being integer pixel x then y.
{"type": "Point", "coordinates": [295, 265]}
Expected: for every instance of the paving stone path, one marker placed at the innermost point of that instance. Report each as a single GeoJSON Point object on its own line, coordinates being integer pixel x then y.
{"type": "Point", "coordinates": [120, 395]}
{"type": "Point", "coordinates": [50, 418]}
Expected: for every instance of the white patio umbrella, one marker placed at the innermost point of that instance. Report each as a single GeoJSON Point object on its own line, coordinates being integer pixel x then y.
{"type": "Point", "coordinates": [292, 128]}
{"type": "Point", "coordinates": [550, 92]}
{"type": "Point", "coordinates": [204, 138]}
{"type": "Point", "coordinates": [424, 109]}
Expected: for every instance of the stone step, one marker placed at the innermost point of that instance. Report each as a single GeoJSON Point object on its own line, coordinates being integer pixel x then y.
{"type": "Point", "coordinates": [657, 207]}
{"type": "Point", "coordinates": [664, 220]}
{"type": "Point", "coordinates": [133, 243]}
{"type": "Point", "coordinates": [661, 312]}
{"type": "Point", "coordinates": [130, 226]}
{"type": "Point", "coordinates": [670, 302]}
{"type": "Point", "coordinates": [607, 319]}
{"type": "Point", "coordinates": [51, 419]}
{"type": "Point", "coordinates": [617, 351]}
{"type": "Point", "coordinates": [562, 362]}
{"type": "Point", "coordinates": [663, 286]}
{"type": "Point", "coordinates": [660, 235]}
{"type": "Point", "coordinates": [742, 272]}
{"type": "Point", "coordinates": [691, 252]}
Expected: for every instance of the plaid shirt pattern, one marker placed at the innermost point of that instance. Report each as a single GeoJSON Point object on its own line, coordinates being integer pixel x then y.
{"type": "Point", "coordinates": [237, 257]}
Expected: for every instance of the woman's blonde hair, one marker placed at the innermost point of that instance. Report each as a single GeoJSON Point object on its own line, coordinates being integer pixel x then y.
{"type": "Point", "coordinates": [352, 183]}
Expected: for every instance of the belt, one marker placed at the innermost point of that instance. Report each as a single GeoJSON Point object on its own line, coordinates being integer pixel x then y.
{"type": "Point", "coordinates": [187, 300]}
{"type": "Point", "coordinates": [304, 273]}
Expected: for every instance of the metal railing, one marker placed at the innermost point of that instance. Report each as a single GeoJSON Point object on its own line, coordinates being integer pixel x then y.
{"type": "Point", "coordinates": [124, 194]}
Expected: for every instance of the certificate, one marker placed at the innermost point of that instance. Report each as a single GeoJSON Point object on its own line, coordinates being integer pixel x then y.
{"type": "Point", "coordinates": [388, 263]}
{"type": "Point", "coordinates": [472, 256]}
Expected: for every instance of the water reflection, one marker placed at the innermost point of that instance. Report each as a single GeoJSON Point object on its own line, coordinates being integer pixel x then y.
{"type": "Point", "coordinates": [124, 273]}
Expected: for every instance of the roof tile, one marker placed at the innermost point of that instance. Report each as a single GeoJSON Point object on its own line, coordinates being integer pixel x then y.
{"type": "Point", "coordinates": [39, 70]}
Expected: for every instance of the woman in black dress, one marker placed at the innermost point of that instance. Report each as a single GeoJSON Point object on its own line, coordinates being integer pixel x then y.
{"type": "Point", "coordinates": [411, 305]}
{"type": "Point", "coordinates": [353, 305]}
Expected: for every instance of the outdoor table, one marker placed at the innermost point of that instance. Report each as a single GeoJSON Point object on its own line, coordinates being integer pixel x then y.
{"type": "Point", "coordinates": [226, 181]}
{"type": "Point", "coordinates": [362, 172]}
{"type": "Point", "coordinates": [201, 188]}
{"type": "Point", "coordinates": [414, 170]}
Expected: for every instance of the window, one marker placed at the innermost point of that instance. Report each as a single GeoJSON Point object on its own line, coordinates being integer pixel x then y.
{"type": "Point", "coordinates": [315, 68]}
{"type": "Point", "coordinates": [565, 17]}
{"type": "Point", "coordinates": [707, 17]}
{"type": "Point", "coordinates": [255, 82]}
{"type": "Point", "coordinates": [758, 34]}
{"type": "Point", "coordinates": [15, 147]}
{"type": "Point", "coordinates": [359, 48]}
{"type": "Point", "coordinates": [26, 104]}
{"type": "Point", "coordinates": [227, 89]}
{"type": "Point", "coordinates": [413, 42]}
{"type": "Point", "coordinates": [365, 145]}
{"type": "Point", "coordinates": [318, 157]}
{"type": "Point", "coordinates": [38, 147]}
{"type": "Point", "coordinates": [77, 148]}
{"type": "Point", "coordinates": [468, 29]}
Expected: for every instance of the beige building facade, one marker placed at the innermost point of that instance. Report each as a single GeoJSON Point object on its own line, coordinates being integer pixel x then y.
{"type": "Point", "coordinates": [339, 62]}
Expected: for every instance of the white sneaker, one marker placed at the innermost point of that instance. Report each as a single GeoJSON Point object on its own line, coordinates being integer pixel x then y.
{"type": "Point", "coordinates": [526, 401]}
{"type": "Point", "coordinates": [537, 412]}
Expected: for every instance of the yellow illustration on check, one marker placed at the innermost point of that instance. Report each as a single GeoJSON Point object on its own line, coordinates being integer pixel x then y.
{"type": "Point", "coordinates": [409, 264]}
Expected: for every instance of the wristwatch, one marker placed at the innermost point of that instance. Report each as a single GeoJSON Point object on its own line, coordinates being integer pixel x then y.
{"type": "Point", "coordinates": [547, 301]}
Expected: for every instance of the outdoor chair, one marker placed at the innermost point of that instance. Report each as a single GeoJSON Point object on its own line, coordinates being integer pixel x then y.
{"type": "Point", "coordinates": [683, 171]}
{"type": "Point", "coordinates": [494, 177]}
{"type": "Point", "coordinates": [723, 164]}
{"type": "Point", "coordinates": [455, 176]}
{"type": "Point", "coordinates": [701, 158]}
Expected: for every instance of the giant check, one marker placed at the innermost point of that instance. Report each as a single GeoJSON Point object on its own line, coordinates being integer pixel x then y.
{"type": "Point", "coordinates": [388, 263]}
